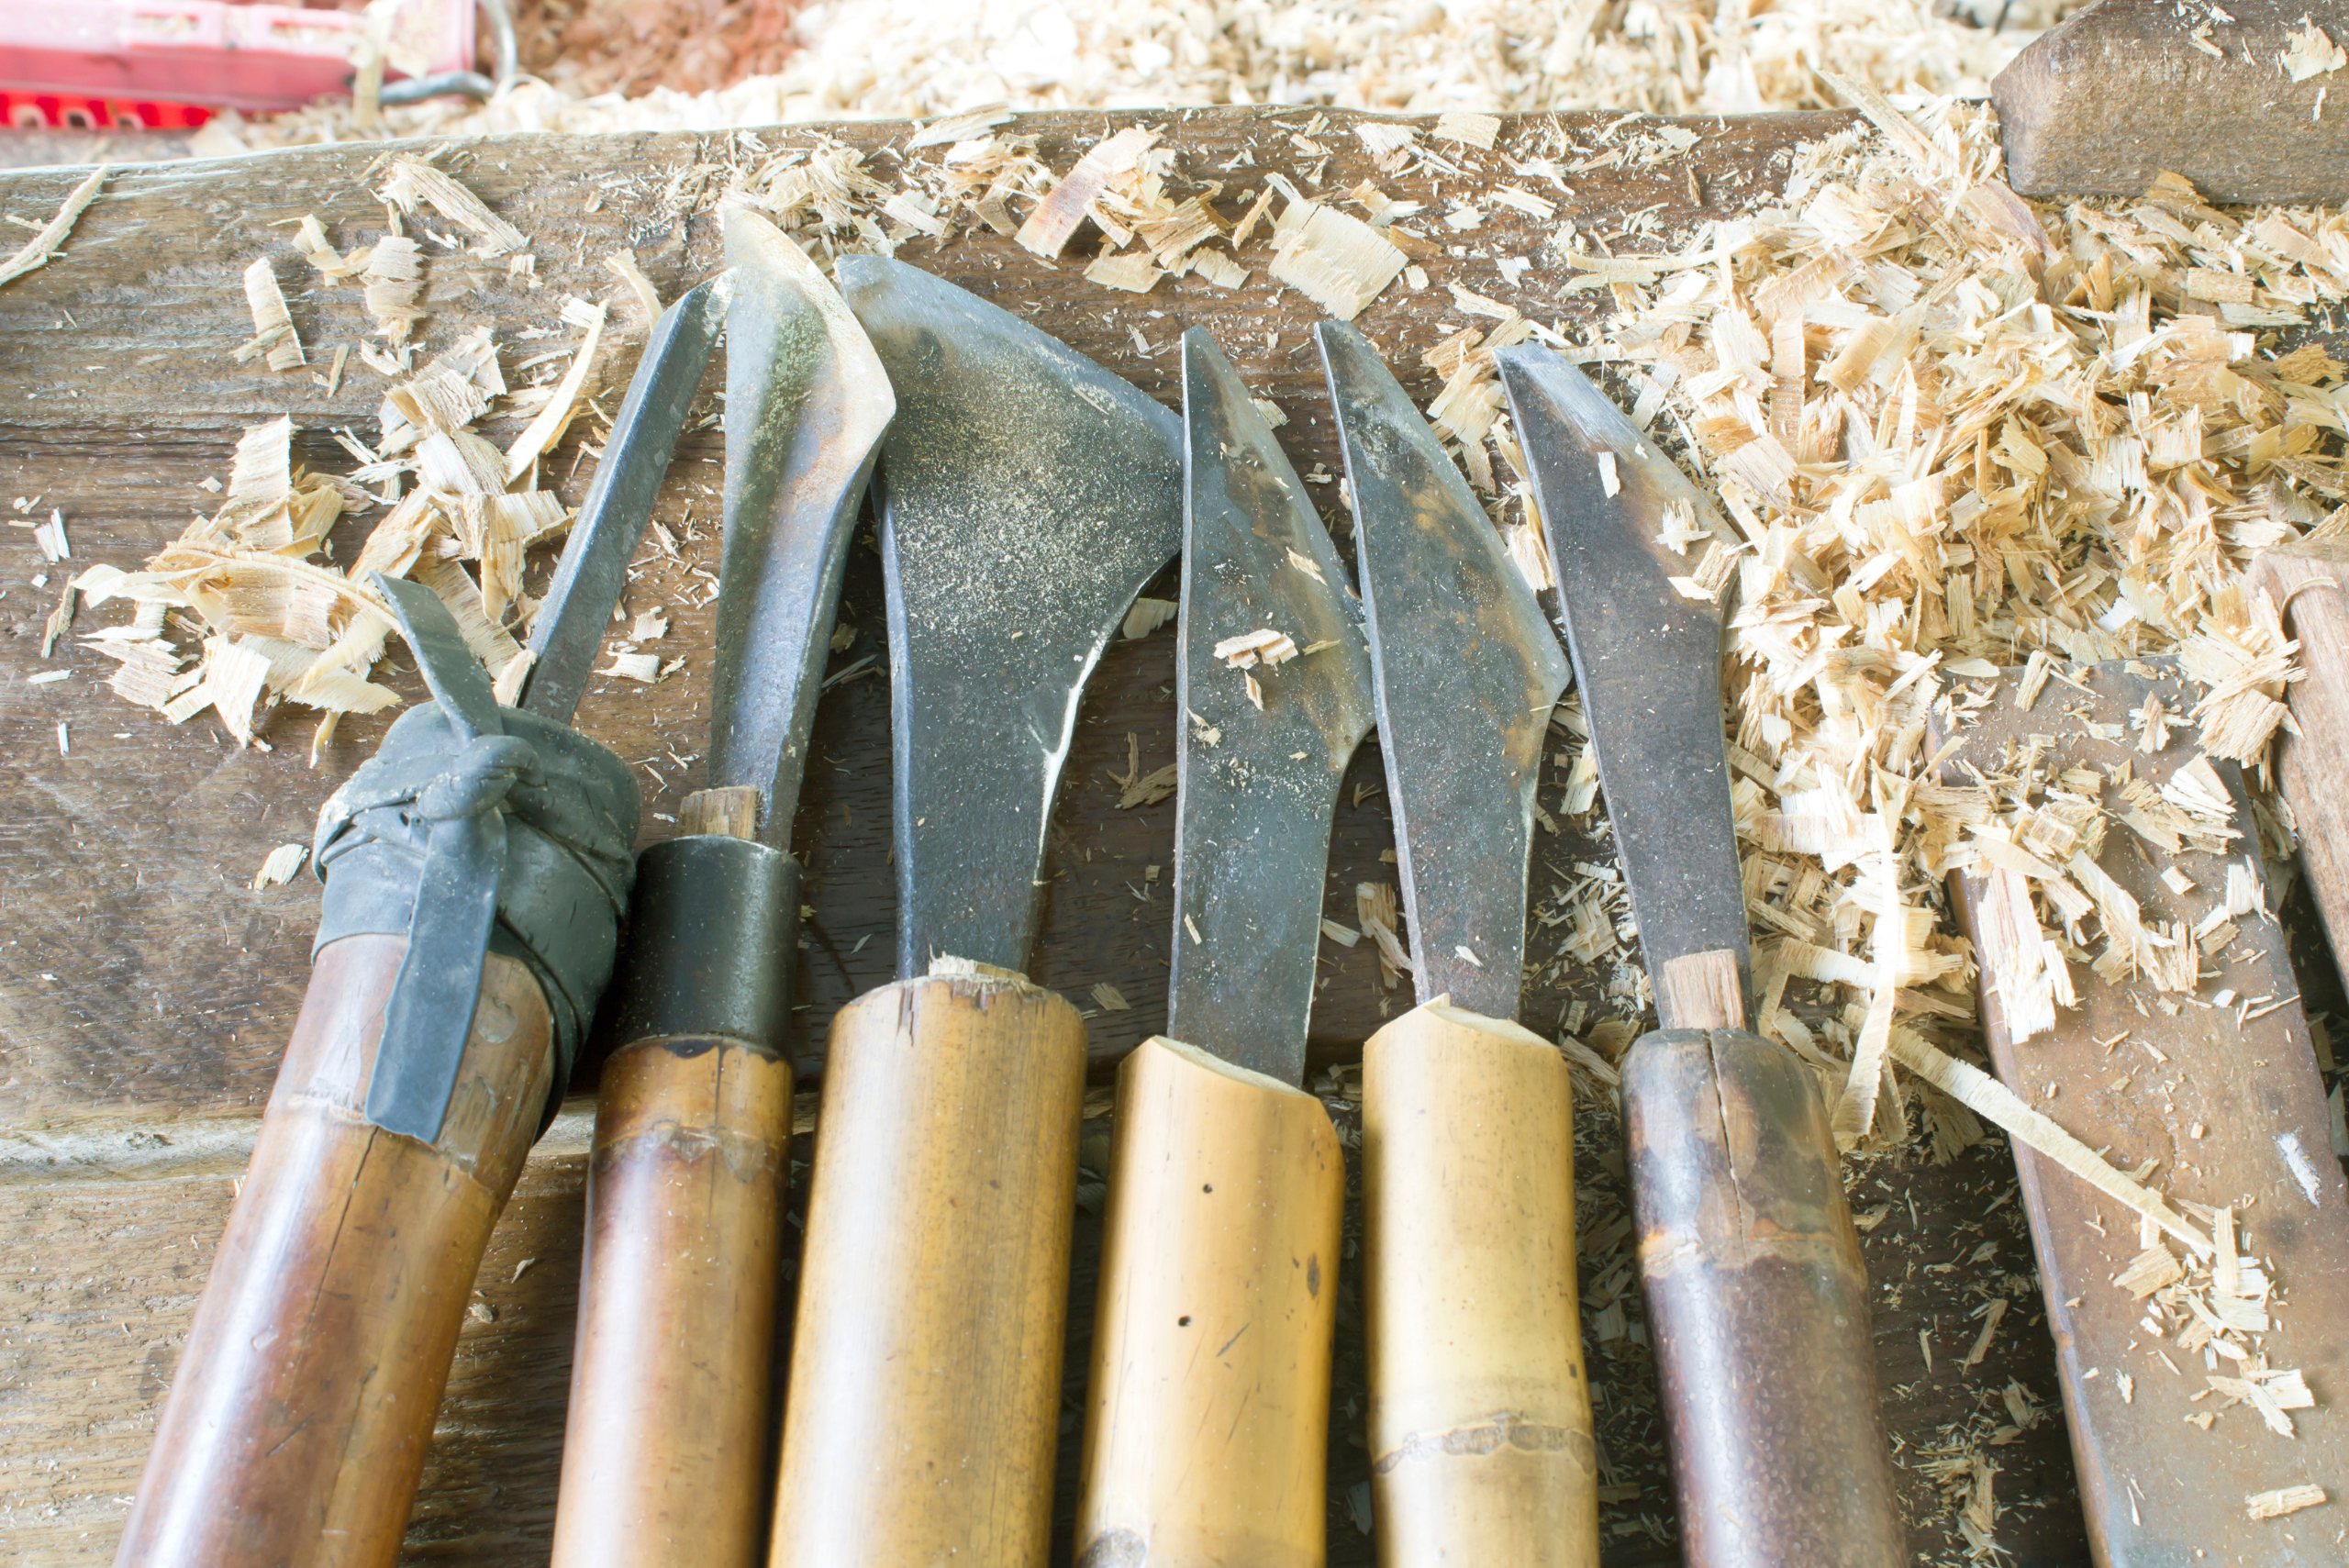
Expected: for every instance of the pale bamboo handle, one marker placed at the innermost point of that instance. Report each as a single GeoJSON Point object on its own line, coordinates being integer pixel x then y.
{"type": "Point", "coordinates": [664, 1452]}
{"type": "Point", "coordinates": [924, 1399]}
{"type": "Point", "coordinates": [1480, 1425]}
{"type": "Point", "coordinates": [1207, 1423]}
{"type": "Point", "coordinates": [295, 1429]}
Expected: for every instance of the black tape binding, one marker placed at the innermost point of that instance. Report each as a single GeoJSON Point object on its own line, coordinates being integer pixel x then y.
{"type": "Point", "coordinates": [473, 830]}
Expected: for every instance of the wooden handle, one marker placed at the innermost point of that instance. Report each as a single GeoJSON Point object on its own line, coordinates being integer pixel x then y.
{"type": "Point", "coordinates": [924, 1401]}
{"type": "Point", "coordinates": [2309, 583]}
{"type": "Point", "coordinates": [1758, 1309]}
{"type": "Point", "coordinates": [1207, 1423]}
{"type": "Point", "coordinates": [297, 1422]}
{"type": "Point", "coordinates": [665, 1456]}
{"type": "Point", "coordinates": [1480, 1428]}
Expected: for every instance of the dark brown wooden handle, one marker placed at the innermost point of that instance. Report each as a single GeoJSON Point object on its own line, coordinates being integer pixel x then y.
{"type": "Point", "coordinates": [1757, 1308]}
{"type": "Point", "coordinates": [297, 1425]}
{"type": "Point", "coordinates": [1208, 1417]}
{"type": "Point", "coordinates": [923, 1405]}
{"type": "Point", "coordinates": [1481, 1447]}
{"type": "Point", "coordinates": [664, 1458]}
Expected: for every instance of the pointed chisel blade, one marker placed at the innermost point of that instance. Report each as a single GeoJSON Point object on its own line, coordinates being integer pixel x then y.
{"type": "Point", "coordinates": [571, 626]}
{"type": "Point", "coordinates": [1027, 494]}
{"type": "Point", "coordinates": [1257, 783]}
{"type": "Point", "coordinates": [1647, 658]}
{"type": "Point", "coordinates": [807, 401]}
{"type": "Point", "coordinates": [1468, 670]}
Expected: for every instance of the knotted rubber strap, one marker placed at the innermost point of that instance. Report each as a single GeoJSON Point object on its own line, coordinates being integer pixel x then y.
{"type": "Point", "coordinates": [473, 829]}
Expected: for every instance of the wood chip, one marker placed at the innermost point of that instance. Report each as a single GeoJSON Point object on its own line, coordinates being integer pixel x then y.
{"type": "Point", "coordinates": [1147, 614]}
{"type": "Point", "coordinates": [1110, 998]}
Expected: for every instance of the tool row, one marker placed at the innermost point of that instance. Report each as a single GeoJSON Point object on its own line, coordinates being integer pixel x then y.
{"type": "Point", "coordinates": [478, 869]}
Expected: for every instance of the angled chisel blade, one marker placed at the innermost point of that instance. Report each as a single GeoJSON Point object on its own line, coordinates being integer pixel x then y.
{"type": "Point", "coordinates": [1647, 658]}
{"type": "Point", "coordinates": [571, 626]}
{"type": "Point", "coordinates": [1026, 497]}
{"type": "Point", "coordinates": [1257, 783]}
{"type": "Point", "coordinates": [1468, 670]}
{"type": "Point", "coordinates": [807, 401]}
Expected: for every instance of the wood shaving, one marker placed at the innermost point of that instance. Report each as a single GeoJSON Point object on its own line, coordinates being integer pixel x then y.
{"type": "Point", "coordinates": [1333, 259]}
{"type": "Point", "coordinates": [273, 327]}
{"type": "Point", "coordinates": [622, 265]}
{"type": "Point", "coordinates": [1134, 273]}
{"type": "Point", "coordinates": [413, 180]}
{"type": "Point", "coordinates": [1375, 911]}
{"type": "Point", "coordinates": [1048, 228]}
{"type": "Point", "coordinates": [1110, 998]}
{"type": "Point", "coordinates": [1983, 1094]}
{"type": "Point", "coordinates": [1147, 614]}
{"type": "Point", "coordinates": [394, 279]}
{"type": "Point", "coordinates": [279, 867]}
{"type": "Point", "coordinates": [2282, 1501]}
{"type": "Point", "coordinates": [1468, 130]}
{"type": "Point", "coordinates": [43, 247]}
{"type": "Point", "coordinates": [547, 428]}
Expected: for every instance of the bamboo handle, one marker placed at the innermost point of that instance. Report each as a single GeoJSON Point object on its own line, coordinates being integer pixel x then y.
{"type": "Point", "coordinates": [664, 1452]}
{"type": "Point", "coordinates": [1207, 1422]}
{"type": "Point", "coordinates": [924, 1398]}
{"type": "Point", "coordinates": [1758, 1309]}
{"type": "Point", "coordinates": [1480, 1426]}
{"type": "Point", "coordinates": [297, 1425]}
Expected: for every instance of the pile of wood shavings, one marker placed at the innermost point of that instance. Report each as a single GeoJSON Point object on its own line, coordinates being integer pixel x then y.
{"type": "Point", "coordinates": [1958, 432]}
{"type": "Point", "coordinates": [885, 58]}
{"type": "Point", "coordinates": [272, 618]}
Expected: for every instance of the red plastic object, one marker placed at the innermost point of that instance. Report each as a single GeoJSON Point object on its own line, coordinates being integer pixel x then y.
{"type": "Point", "coordinates": [165, 64]}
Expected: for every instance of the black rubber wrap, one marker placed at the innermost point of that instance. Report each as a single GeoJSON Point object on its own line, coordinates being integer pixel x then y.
{"type": "Point", "coordinates": [710, 945]}
{"type": "Point", "coordinates": [569, 809]}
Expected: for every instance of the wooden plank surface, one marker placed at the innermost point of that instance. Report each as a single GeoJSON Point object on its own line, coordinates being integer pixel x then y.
{"type": "Point", "coordinates": [145, 992]}
{"type": "Point", "coordinates": [2219, 1091]}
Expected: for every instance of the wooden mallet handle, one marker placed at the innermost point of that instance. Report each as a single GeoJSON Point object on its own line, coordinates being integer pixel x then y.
{"type": "Point", "coordinates": [1207, 1421]}
{"type": "Point", "coordinates": [664, 1458]}
{"type": "Point", "coordinates": [1480, 1426]}
{"type": "Point", "coordinates": [1757, 1307]}
{"type": "Point", "coordinates": [297, 1425]}
{"type": "Point", "coordinates": [923, 1406]}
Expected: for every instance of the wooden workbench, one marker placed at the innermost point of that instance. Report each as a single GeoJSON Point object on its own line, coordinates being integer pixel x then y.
{"type": "Point", "coordinates": [145, 992]}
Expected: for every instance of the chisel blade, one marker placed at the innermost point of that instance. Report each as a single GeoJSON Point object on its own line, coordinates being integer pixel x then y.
{"type": "Point", "coordinates": [1263, 746]}
{"type": "Point", "coordinates": [1468, 670]}
{"type": "Point", "coordinates": [1646, 656]}
{"type": "Point", "coordinates": [807, 401]}
{"type": "Point", "coordinates": [1026, 497]}
{"type": "Point", "coordinates": [588, 580]}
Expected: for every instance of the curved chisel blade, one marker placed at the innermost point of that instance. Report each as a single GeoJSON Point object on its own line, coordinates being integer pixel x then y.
{"type": "Point", "coordinates": [1026, 497]}
{"type": "Point", "coordinates": [1647, 658]}
{"type": "Point", "coordinates": [807, 401]}
{"type": "Point", "coordinates": [1257, 784]}
{"type": "Point", "coordinates": [1468, 670]}
{"type": "Point", "coordinates": [578, 614]}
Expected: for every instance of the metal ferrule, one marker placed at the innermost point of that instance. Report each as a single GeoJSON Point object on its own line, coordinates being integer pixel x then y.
{"type": "Point", "coordinates": [710, 946]}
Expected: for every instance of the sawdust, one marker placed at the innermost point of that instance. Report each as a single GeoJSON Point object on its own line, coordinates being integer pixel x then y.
{"type": "Point", "coordinates": [884, 59]}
